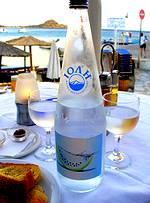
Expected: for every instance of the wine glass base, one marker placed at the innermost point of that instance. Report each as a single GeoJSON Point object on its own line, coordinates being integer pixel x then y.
{"type": "Point", "coordinates": [114, 161]}
{"type": "Point", "coordinates": [46, 153]}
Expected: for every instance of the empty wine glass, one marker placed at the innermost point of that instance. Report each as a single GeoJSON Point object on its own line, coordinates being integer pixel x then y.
{"type": "Point", "coordinates": [42, 109]}
{"type": "Point", "coordinates": [122, 115]}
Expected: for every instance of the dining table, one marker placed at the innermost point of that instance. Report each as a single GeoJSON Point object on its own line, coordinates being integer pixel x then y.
{"type": "Point", "coordinates": [129, 185]}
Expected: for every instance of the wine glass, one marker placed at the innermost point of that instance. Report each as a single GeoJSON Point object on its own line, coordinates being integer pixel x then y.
{"type": "Point", "coordinates": [42, 109]}
{"type": "Point", "coordinates": [122, 115]}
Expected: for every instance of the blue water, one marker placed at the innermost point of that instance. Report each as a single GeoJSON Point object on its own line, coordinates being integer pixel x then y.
{"type": "Point", "coordinates": [53, 34]}
{"type": "Point", "coordinates": [35, 32]}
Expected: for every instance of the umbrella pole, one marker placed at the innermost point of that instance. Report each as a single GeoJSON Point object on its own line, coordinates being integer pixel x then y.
{"type": "Point", "coordinates": [30, 50]}
{"type": "Point", "coordinates": [24, 57]}
{"type": "Point", "coordinates": [0, 61]}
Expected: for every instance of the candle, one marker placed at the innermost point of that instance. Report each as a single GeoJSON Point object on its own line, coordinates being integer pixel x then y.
{"type": "Point", "coordinates": [26, 83]}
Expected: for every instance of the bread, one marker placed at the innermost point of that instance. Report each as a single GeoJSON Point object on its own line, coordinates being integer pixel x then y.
{"type": "Point", "coordinates": [37, 195]}
{"type": "Point", "coordinates": [16, 182]}
{"type": "Point", "coordinates": [33, 168]}
{"type": "Point", "coordinates": [20, 182]}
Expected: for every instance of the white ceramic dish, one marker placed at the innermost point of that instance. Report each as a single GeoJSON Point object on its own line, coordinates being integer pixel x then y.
{"type": "Point", "coordinates": [53, 192]}
{"type": "Point", "coordinates": [48, 183]}
{"type": "Point", "coordinates": [2, 91]}
{"type": "Point", "coordinates": [32, 145]}
{"type": "Point", "coordinates": [11, 132]}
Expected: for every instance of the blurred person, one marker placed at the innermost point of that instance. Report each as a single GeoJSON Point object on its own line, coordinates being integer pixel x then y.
{"type": "Point", "coordinates": [143, 41]}
{"type": "Point", "coordinates": [126, 38]}
{"type": "Point", "coordinates": [122, 38]}
{"type": "Point", "coordinates": [130, 37]}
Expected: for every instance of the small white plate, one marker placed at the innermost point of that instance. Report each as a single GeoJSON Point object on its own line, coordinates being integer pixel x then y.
{"type": "Point", "coordinates": [2, 91]}
{"type": "Point", "coordinates": [53, 192]}
{"type": "Point", "coordinates": [31, 146]}
{"type": "Point", "coordinates": [48, 182]}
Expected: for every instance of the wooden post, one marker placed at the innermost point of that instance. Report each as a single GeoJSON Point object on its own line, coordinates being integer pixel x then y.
{"type": "Point", "coordinates": [24, 57]}
{"type": "Point", "coordinates": [30, 50]}
{"type": "Point", "coordinates": [0, 61]}
{"type": "Point", "coordinates": [139, 56]}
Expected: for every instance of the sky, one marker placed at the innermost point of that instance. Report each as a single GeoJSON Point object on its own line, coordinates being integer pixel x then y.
{"type": "Point", "coordinates": [31, 12]}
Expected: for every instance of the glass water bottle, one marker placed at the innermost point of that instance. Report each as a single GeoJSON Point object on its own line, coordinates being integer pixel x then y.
{"type": "Point", "coordinates": [80, 121]}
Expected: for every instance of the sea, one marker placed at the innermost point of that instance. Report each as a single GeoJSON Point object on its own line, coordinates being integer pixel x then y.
{"type": "Point", "coordinates": [40, 55]}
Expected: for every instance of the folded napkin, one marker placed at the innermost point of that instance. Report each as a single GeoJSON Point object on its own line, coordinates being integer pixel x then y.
{"type": "Point", "coordinates": [12, 148]}
{"type": "Point", "coordinates": [7, 120]}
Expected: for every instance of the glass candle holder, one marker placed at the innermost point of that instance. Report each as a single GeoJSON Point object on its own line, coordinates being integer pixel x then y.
{"type": "Point", "coordinates": [26, 83]}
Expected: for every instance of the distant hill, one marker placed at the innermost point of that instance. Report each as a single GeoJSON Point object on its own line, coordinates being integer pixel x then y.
{"type": "Point", "coordinates": [51, 24]}
{"type": "Point", "coordinates": [46, 24]}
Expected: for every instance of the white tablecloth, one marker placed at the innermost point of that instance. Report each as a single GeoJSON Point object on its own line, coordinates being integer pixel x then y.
{"type": "Point", "coordinates": [131, 185]}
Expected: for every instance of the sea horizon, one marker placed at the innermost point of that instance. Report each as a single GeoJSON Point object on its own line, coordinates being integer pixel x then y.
{"type": "Point", "coordinates": [59, 33]}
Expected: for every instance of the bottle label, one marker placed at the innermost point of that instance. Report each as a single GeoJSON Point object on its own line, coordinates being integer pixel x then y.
{"type": "Point", "coordinates": [78, 79]}
{"type": "Point", "coordinates": [78, 158]}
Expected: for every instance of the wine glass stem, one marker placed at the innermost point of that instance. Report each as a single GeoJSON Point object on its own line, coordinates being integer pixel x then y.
{"type": "Point", "coordinates": [116, 152]}
{"type": "Point", "coordinates": [48, 143]}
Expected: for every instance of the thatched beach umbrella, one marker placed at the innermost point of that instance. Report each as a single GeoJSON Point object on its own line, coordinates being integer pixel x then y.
{"type": "Point", "coordinates": [9, 50]}
{"type": "Point", "coordinates": [28, 41]}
